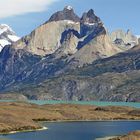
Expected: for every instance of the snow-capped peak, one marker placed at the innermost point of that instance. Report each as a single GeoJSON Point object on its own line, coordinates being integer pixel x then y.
{"type": "Point", "coordinates": [69, 7]}
{"type": "Point", "coordinates": [7, 36]}
{"type": "Point", "coordinates": [4, 28]}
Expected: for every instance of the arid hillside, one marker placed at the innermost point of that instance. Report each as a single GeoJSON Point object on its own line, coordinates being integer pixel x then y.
{"type": "Point", "coordinates": [24, 116]}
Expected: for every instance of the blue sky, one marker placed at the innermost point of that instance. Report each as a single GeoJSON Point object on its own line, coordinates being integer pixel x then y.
{"type": "Point", "coordinates": [116, 14]}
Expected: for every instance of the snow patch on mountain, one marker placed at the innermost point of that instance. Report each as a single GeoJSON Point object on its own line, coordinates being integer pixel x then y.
{"type": "Point", "coordinates": [4, 28]}
{"type": "Point", "coordinates": [14, 38]}
{"type": "Point", "coordinates": [70, 22]}
{"type": "Point", "coordinates": [3, 43]}
{"type": "Point", "coordinates": [90, 24]}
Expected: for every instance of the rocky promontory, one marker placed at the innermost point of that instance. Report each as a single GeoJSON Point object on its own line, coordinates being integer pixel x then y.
{"type": "Point", "coordinates": [135, 135]}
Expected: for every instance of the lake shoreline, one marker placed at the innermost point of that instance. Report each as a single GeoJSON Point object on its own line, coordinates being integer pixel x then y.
{"type": "Point", "coordinates": [106, 138]}
{"type": "Point", "coordinates": [66, 121]}
{"type": "Point", "coordinates": [60, 121]}
{"type": "Point", "coordinates": [28, 130]}
{"type": "Point", "coordinates": [37, 114]}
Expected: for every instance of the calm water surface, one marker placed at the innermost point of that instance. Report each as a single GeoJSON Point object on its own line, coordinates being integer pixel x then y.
{"type": "Point", "coordinates": [77, 131]}
{"type": "Point", "coordinates": [97, 103]}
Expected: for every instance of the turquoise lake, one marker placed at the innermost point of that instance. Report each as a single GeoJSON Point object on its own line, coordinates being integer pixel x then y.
{"type": "Point", "coordinates": [97, 103]}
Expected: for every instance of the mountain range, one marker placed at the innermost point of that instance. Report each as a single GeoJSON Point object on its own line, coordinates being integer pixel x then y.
{"type": "Point", "coordinates": [72, 58]}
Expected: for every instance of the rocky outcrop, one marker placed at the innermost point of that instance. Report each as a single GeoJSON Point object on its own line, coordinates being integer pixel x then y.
{"type": "Point", "coordinates": [45, 40]}
{"type": "Point", "coordinates": [90, 18]}
{"type": "Point", "coordinates": [124, 39]}
{"type": "Point", "coordinates": [98, 48]}
{"type": "Point", "coordinates": [135, 135]}
{"type": "Point", "coordinates": [66, 14]}
{"type": "Point", "coordinates": [13, 96]}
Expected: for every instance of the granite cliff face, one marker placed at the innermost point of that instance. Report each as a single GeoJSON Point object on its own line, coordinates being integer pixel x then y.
{"type": "Point", "coordinates": [70, 58]}
{"type": "Point", "coordinates": [66, 33]}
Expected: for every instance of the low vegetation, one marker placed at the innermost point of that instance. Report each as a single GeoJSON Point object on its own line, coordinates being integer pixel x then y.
{"type": "Point", "coordinates": [21, 116]}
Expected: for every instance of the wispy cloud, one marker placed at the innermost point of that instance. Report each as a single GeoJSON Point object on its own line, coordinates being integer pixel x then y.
{"type": "Point", "coordinates": [18, 7]}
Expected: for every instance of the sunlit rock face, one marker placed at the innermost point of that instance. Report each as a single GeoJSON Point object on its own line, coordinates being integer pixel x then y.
{"type": "Point", "coordinates": [66, 33]}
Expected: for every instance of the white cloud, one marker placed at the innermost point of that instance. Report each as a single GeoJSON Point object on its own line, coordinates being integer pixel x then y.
{"type": "Point", "coordinates": [18, 7]}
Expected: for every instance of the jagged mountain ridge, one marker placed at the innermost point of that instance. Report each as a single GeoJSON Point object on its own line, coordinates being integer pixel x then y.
{"type": "Point", "coordinates": [66, 14]}
{"type": "Point", "coordinates": [7, 36]}
{"type": "Point", "coordinates": [63, 59]}
{"type": "Point", "coordinates": [61, 25]}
